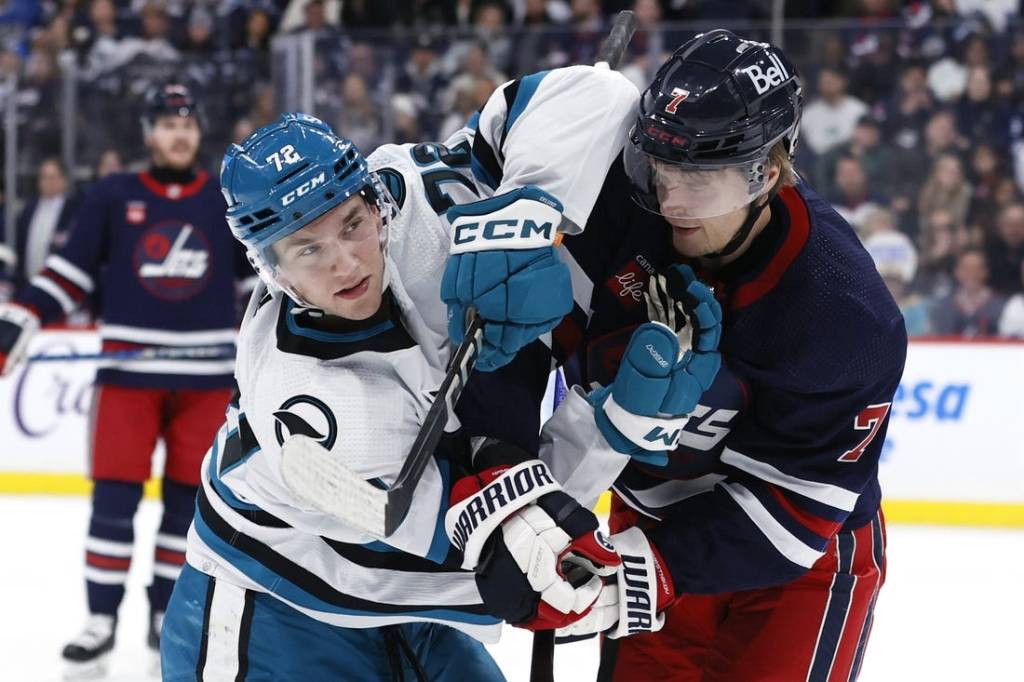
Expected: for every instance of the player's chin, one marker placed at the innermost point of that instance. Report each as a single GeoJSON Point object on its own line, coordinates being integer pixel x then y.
{"type": "Point", "coordinates": [180, 160]}
{"type": "Point", "coordinates": [357, 302]}
{"type": "Point", "coordinates": [689, 241]}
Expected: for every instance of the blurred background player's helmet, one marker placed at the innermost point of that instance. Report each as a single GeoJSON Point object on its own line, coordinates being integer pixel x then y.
{"type": "Point", "coordinates": [707, 123]}
{"type": "Point", "coordinates": [894, 255]}
{"type": "Point", "coordinates": [171, 99]}
{"type": "Point", "coordinates": [286, 175]}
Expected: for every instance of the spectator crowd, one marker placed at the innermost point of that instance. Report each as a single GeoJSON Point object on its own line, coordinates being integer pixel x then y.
{"type": "Point", "coordinates": [913, 125]}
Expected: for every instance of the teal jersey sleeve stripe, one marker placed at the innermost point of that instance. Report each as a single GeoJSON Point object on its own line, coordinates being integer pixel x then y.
{"type": "Point", "coordinates": [290, 592]}
{"type": "Point", "coordinates": [527, 89]}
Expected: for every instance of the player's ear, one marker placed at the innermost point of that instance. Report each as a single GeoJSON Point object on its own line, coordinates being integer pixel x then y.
{"type": "Point", "coordinates": [773, 180]}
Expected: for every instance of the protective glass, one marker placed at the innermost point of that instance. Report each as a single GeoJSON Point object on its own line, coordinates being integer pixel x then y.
{"type": "Point", "coordinates": [685, 191]}
{"type": "Point", "coordinates": [304, 260]}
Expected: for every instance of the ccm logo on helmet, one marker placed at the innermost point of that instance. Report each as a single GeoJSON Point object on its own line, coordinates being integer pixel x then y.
{"type": "Point", "coordinates": [304, 189]}
{"type": "Point", "coordinates": [766, 79]}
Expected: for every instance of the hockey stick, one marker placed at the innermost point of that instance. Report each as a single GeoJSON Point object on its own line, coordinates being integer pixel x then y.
{"type": "Point", "coordinates": [223, 351]}
{"type": "Point", "coordinates": [542, 661]}
{"type": "Point", "coordinates": [316, 475]}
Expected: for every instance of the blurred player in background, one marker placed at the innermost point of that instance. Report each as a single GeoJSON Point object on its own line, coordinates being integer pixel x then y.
{"type": "Point", "coordinates": [347, 345]}
{"type": "Point", "coordinates": [749, 524]}
{"type": "Point", "coordinates": [155, 247]}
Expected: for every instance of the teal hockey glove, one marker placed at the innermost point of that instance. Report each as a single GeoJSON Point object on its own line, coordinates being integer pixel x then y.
{"type": "Point", "coordinates": [503, 262]}
{"type": "Point", "coordinates": [667, 365]}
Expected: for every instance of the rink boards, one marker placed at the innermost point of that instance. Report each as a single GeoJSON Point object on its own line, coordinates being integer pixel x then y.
{"type": "Point", "coordinates": [954, 452]}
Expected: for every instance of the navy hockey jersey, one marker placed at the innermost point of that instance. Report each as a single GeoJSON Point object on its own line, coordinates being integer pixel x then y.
{"type": "Point", "coordinates": [783, 449]}
{"type": "Point", "coordinates": [164, 266]}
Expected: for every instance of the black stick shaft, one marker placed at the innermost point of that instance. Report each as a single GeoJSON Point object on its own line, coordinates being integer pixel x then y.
{"type": "Point", "coordinates": [542, 660]}
{"type": "Point", "coordinates": [623, 27]}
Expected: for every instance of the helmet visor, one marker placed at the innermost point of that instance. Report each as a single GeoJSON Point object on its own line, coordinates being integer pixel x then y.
{"type": "Point", "coordinates": [301, 259]}
{"type": "Point", "coordinates": [685, 191]}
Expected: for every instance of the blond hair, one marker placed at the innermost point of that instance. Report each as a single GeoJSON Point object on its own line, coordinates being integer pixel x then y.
{"type": "Point", "coordinates": [778, 156]}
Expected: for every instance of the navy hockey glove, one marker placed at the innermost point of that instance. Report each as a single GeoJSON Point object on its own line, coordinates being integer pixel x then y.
{"type": "Point", "coordinates": [667, 365]}
{"type": "Point", "coordinates": [503, 262]}
{"type": "Point", "coordinates": [634, 600]}
{"type": "Point", "coordinates": [538, 555]}
{"type": "Point", "coordinates": [17, 327]}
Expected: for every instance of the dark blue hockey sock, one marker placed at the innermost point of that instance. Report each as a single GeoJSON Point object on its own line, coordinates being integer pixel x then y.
{"type": "Point", "coordinates": [169, 556]}
{"type": "Point", "coordinates": [108, 549]}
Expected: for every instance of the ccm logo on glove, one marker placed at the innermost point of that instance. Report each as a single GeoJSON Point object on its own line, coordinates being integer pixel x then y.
{"type": "Point", "coordinates": [493, 230]}
{"type": "Point", "coordinates": [497, 496]}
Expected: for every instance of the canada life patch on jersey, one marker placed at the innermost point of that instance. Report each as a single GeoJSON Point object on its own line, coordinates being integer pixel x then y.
{"type": "Point", "coordinates": [172, 260]}
{"type": "Point", "coordinates": [306, 415]}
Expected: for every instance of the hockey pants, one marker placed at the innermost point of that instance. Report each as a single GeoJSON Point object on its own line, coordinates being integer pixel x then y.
{"type": "Point", "coordinates": [217, 631]}
{"type": "Point", "coordinates": [813, 629]}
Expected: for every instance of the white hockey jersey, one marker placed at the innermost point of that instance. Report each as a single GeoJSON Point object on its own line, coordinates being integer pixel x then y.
{"type": "Point", "coordinates": [363, 394]}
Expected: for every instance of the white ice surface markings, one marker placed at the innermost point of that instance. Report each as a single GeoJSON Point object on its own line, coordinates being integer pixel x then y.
{"type": "Point", "coordinates": [950, 609]}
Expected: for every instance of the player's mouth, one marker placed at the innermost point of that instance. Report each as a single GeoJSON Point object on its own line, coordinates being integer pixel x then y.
{"type": "Point", "coordinates": [685, 228]}
{"type": "Point", "coordinates": [356, 291]}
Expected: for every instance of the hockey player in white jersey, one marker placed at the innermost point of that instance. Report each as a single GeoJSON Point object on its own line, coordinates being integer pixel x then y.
{"type": "Point", "coordinates": [345, 344]}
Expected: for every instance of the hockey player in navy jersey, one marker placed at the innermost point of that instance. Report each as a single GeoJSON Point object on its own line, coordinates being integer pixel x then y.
{"type": "Point", "coordinates": [156, 248]}
{"type": "Point", "coordinates": [749, 525]}
{"type": "Point", "coordinates": [346, 343]}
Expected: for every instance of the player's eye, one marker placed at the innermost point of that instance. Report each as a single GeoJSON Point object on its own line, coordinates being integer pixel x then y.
{"type": "Point", "coordinates": [309, 250]}
{"type": "Point", "coordinates": [353, 226]}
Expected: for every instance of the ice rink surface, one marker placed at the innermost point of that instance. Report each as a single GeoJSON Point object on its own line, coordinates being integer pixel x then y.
{"type": "Point", "coordinates": [950, 610]}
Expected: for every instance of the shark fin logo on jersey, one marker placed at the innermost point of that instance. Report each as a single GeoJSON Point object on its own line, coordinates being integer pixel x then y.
{"type": "Point", "coordinates": [172, 260]}
{"type": "Point", "coordinates": [306, 416]}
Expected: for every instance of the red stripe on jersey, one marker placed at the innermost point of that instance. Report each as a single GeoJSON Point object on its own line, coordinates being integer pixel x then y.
{"type": "Point", "coordinates": [824, 528]}
{"type": "Point", "coordinates": [108, 562]}
{"type": "Point", "coordinates": [799, 229]}
{"type": "Point", "coordinates": [181, 191]}
{"type": "Point", "coordinates": [168, 556]}
{"type": "Point", "coordinates": [69, 287]}
{"type": "Point", "coordinates": [109, 346]}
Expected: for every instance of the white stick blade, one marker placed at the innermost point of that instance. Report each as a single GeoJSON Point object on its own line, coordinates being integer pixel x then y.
{"type": "Point", "coordinates": [318, 478]}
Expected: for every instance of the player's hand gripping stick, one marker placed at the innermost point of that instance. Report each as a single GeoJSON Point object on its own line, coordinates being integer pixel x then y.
{"type": "Point", "coordinates": [667, 365]}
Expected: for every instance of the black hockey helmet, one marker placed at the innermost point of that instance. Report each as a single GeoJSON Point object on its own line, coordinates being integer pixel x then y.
{"type": "Point", "coordinates": [170, 99]}
{"type": "Point", "coordinates": [719, 103]}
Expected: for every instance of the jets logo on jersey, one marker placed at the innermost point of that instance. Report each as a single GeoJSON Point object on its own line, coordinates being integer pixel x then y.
{"type": "Point", "coordinates": [135, 212]}
{"type": "Point", "coordinates": [172, 260]}
{"type": "Point", "coordinates": [306, 416]}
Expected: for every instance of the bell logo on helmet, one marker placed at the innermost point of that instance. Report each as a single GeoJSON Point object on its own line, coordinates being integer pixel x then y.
{"type": "Point", "coordinates": [765, 80]}
{"type": "Point", "coordinates": [285, 155]}
{"type": "Point", "coordinates": [304, 189]}
{"type": "Point", "coordinates": [678, 95]}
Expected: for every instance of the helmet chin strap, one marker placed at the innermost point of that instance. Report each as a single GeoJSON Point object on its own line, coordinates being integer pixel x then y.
{"type": "Point", "coordinates": [753, 215]}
